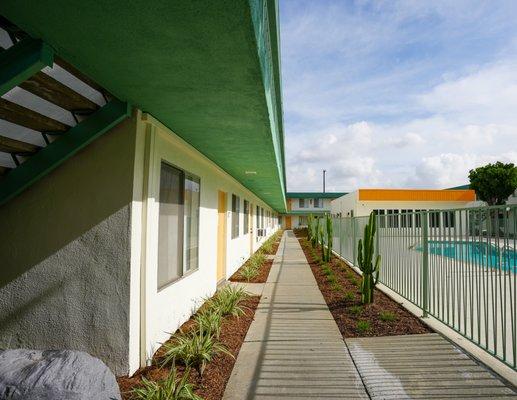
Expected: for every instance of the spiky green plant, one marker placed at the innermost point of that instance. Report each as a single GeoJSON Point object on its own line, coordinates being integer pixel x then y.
{"type": "Point", "coordinates": [322, 242]}
{"type": "Point", "coordinates": [355, 310]}
{"type": "Point", "coordinates": [310, 221]}
{"type": "Point", "coordinates": [170, 388]}
{"type": "Point", "coordinates": [227, 301]}
{"type": "Point", "coordinates": [329, 232]}
{"type": "Point", "coordinates": [315, 233]}
{"type": "Point", "coordinates": [194, 349]}
{"type": "Point", "coordinates": [387, 316]}
{"type": "Point", "coordinates": [348, 296]}
{"type": "Point", "coordinates": [209, 321]}
{"type": "Point", "coordinates": [363, 326]}
{"type": "Point", "coordinates": [249, 271]}
{"type": "Point", "coordinates": [365, 260]}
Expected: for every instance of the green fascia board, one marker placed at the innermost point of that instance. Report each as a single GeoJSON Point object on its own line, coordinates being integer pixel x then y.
{"type": "Point", "coordinates": [209, 71]}
{"type": "Point", "coordinates": [314, 195]}
{"type": "Point", "coordinates": [57, 152]}
{"type": "Point", "coordinates": [300, 212]}
{"type": "Point", "coordinates": [22, 60]}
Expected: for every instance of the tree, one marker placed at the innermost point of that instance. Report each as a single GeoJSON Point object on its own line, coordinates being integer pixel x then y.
{"type": "Point", "coordinates": [494, 183]}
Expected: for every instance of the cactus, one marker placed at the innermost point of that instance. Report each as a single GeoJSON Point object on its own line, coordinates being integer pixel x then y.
{"type": "Point", "coordinates": [329, 237]}
{"type": "Point", "coordinates": [322, 241]}
{"type": "Point", "coordinates": [316, 232]}
{"type": "Point", "coordinates": [310, 220]}
{"type": "Point", "coordinates": [365, 259]}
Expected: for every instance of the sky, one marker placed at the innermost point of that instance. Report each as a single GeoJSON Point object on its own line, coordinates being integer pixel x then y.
{"type": "Point", "coordinates": [409, 94]}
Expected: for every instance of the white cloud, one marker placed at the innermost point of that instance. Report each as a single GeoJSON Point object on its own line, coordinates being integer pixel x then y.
{"type": "Point", "coordinates": [397, 93]}
{"type": "Point", "coordinates": [449, 169]}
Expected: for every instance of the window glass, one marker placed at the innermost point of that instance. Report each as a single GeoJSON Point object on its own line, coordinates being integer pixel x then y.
{"type": "Point", "coordinates": [434, 219]}
{"type": "Point", "coordinates": [406, 218]}
{"type": "Point", "coordinates": [317, 203]}
{"type": "Point", "coordinates": [393, 218]}
{"type": "Point", "coordinates": [246, 212]}
{"type": "Point", "coordinates": [170, 225]}
{"type": "Point", "coordinates": [191, 222]}
{"type": "Point", "coordinates": [301, 203]}
{"type": "Point", "coordinates": [235, 215]}
{"type": "Point", "coordinates": [449, 219]}
{"type": "Point", "coordinates": [382, 218]}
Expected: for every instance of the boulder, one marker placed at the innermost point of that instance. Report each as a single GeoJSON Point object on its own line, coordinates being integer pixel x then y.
{"type": "Point", "coordinates": [55, 375]}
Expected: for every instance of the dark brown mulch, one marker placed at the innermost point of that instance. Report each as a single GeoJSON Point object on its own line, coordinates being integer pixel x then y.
{"type": "Point", "coordinates": [260, 278]}
{"type": "Point", "coordinates": [264, 268]}
{"type": "Point", "coordinates": [213, 382]}
{"type": "Point", "coordinates": [342, 309]}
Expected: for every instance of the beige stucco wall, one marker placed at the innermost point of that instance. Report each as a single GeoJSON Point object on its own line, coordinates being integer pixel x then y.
{"type": "Point", "coordinates": [65, 254]}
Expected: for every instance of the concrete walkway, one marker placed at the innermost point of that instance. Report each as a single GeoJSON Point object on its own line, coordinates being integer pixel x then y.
{"type": "Point", "coordinates": [294, 349]}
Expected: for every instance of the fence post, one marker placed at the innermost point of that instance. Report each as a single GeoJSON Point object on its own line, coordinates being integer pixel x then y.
{"type": "Point", "coordinates": [425, 263]}
{"type": "Point", "coordinates": [340, 234]}
{"type": "Point", "coordinates": [353, 242]}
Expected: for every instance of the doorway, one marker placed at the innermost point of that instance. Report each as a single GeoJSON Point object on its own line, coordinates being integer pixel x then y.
{"type": "Point", "coordinates": [221, 236]}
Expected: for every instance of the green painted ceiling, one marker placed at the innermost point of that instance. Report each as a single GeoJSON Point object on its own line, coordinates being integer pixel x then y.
{"type": "Point", "coordinates": [209, 70]}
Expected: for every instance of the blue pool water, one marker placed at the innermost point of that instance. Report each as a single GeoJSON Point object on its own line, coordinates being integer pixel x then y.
{"type": "Point", "coordinates": [484, 254]}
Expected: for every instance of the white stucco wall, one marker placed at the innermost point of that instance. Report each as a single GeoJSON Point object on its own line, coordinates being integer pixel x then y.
{"type": "Point", "coordinates": [162, 312]}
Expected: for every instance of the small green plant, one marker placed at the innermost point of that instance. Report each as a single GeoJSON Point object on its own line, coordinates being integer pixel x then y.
{"type": "Point", "coordinates": [332, 279]}
{"type": "Point", "coordinates": [249, 271]}
{"type": "Point", "coordinates": [350, 275]}
{"type": "Point", "coordinates": [348, 296]}
{"type": "Point", "coordinates": [226, 301]}
{"type": "Point", "coordinates": [336, 286]}
{"type": "Point", "coordinates": [387, 316]}
{"type": "Point", "coordinates": [310, 221]}
{"type": "Point", "coordinates": [209, 321]}
{"type": "Point", "coordinates": [363, 326]}
{"type": "Point", "coordinates": [194, 349]}
{"type": "Point", "coordinates": [355, 310]}
{"type": "Point", "coordinates": [354, 281]}
{"type": "Point", "coordinates": [267, 247]}
{"type": "Point", "coordinates": [170, 388]}
{"type": "Point", "coordinates": [365, 259]}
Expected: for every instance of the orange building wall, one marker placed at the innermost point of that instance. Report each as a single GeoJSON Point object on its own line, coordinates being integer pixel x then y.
{"type": "Point", "coordinates": [416, 195]}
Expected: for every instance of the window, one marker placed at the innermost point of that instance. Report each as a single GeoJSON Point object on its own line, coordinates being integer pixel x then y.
{"type": "Point", "coordinates": [178, 224]}
{"type": "Point", "coordinates": [382, 219]}
{"type": "Point", "coordinates": [246, 212]}
{"type": "Point", "coordinates": [434, 219]}
{"type": "Point", "coordinates": [258, 217]}
{"type": "Point", "coordinates": [301, 203]}
{"type": "Point", "coordinates": [448, 219]}
{"type": "Point", "coordinates": [317, 203]}
{"type": "Point", "coordinates": [262, 217]}
{"type": "Point", "coordinates": [302, 221]}
{"type": "Point", "coordinates": [418, 218]}
{"type": "Point", "coordinates": [236, 203]}
{"type": "Point", "coordinates": [393, 218]}
{"type": "Point", "coordinates": [406, 218]}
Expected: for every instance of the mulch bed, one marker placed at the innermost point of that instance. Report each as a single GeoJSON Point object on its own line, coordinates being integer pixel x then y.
{"type": "Point", "coordinates": [213, 382]}
{"type": "Point", "coordinates": [345, 311]}
{"type": "Point", "coordinates": [264, 269]}
{"type": "Point", "coordinates": [260, 278]}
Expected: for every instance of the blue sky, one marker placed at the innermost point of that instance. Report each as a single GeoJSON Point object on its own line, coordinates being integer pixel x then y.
{"type": "Point", "coordinates": [397, 93]}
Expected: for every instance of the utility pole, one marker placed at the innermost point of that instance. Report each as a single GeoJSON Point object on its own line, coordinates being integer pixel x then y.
{"type": "Point", "coordinates": [324, 171]}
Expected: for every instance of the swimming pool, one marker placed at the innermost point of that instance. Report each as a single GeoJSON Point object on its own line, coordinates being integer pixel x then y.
{"type": "Point", "coordinates": [484, 254]}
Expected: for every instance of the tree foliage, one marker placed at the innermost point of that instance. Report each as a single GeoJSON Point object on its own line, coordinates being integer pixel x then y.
{"type": "Point", "coordinates": [494, 183]}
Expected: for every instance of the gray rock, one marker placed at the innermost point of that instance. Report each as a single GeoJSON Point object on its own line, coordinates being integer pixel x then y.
{"type": "Point", "coordinates": [55, 375]}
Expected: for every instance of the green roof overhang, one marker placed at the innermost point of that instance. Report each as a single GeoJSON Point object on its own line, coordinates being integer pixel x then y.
{"type": "Point", "coordinates": [314, 195]}
{"type": "Point", "coordinates": [210, 71]}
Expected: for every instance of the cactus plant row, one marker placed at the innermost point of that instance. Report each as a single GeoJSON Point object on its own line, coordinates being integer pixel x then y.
{"type": "Point", "coordinates": [365, 258]}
